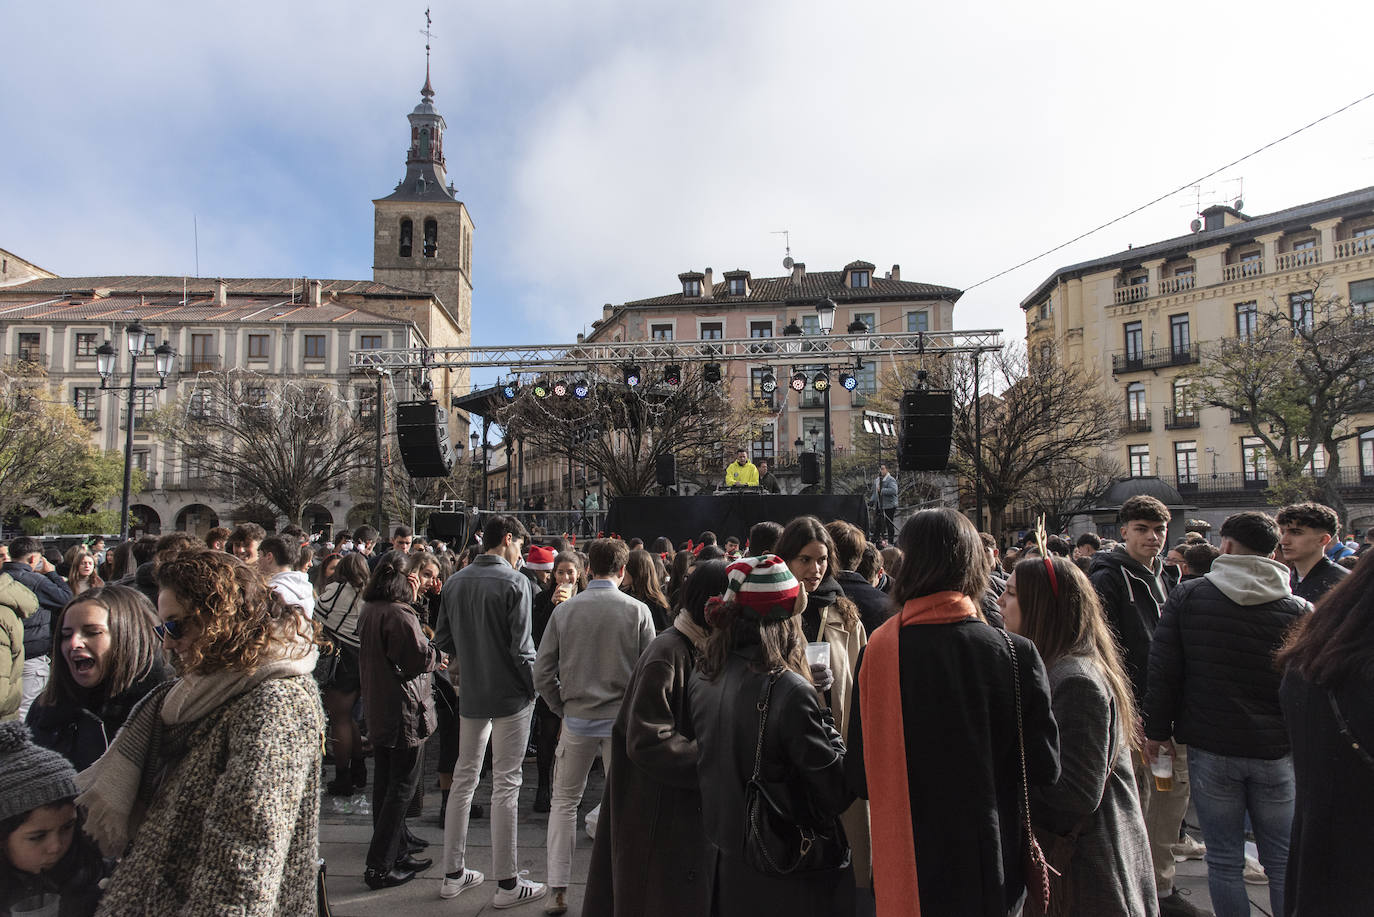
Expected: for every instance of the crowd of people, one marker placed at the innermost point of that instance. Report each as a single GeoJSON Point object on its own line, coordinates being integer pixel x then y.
{"type": "Point", "coordinates": [789, 720]}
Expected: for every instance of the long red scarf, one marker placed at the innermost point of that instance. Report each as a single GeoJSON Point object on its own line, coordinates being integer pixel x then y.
{"type": "Point", "coordinates": [880, 696]}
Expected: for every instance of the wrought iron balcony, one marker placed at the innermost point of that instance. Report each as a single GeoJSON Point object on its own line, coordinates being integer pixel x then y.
{"type": "Point", "coordinates": [1134, 361]}
{"type": "Point", "coordinates": [1135, 422]}
{"type": "Point", "coordinates": [1181, 419]}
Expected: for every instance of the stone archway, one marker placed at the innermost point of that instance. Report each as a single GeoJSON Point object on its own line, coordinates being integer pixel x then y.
{"type": "Point", "coordinates": [317, 520]}
{"type": "Point", "coordinates": [198, 519]}
{"type": "Point", "coordinates": [146, 520]}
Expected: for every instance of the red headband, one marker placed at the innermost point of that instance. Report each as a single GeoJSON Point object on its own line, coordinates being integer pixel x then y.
{"type": "Point", "coordinates": [1054, 580]}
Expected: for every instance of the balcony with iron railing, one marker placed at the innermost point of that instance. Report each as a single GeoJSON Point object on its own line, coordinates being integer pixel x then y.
{"type": "Point", "coordinates": [1134, 361]}
{"type": "Point", "coordinates": [202, 362]}
{"type": "Point", "coordinates": [1135, 422]}
{"type": "Point", "coordinates": [1181, 418]}
{"type": "Point", "coordinates": [1240, 417]}
{"type": "Point", "coordinates": [30, 355]}
{"type": "Point", "coordinates": [1241, 486]}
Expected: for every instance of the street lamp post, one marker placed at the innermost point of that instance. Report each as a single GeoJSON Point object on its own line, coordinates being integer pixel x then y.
{"type": "Point", "coordinates": [825, 314]}
{"type": "Point", "coordinates": [473, 439]}
{"type": "Point", "coordinates": [136, 340]}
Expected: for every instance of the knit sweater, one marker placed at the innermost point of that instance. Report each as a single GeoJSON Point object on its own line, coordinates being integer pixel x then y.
{"type": "Point", "coordinates": [234, 827]}
{"type": "Point", "coordinates": [589, 650]}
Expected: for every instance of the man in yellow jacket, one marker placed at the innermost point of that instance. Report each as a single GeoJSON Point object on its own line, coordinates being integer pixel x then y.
{"type": "Point", "coordinates": [741, 472]}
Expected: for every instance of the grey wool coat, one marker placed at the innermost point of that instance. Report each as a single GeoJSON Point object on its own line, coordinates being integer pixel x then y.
{"type": "Point", "coordinates": [1111, 873]}
{"type": "Point", "coordinates": [234, 827]}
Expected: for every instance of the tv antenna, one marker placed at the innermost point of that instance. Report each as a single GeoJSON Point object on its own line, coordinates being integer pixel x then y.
{"type": "Point", "coordinates": [787, 261]}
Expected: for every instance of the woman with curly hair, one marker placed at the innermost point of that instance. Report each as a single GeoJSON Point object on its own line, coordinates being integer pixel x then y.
{"type": "Point", "coordinates": [211, 790]}
{"type": "Point", "coordinates": [106, 657]}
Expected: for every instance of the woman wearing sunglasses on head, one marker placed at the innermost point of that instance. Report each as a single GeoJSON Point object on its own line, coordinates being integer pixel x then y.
{"type": "Point", "coordinates": [211, 789]}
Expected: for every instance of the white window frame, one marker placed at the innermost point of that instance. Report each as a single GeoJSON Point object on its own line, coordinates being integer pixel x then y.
{"type": "Point", "coordinates": [671, 325]}
{"type": "Point", "coordinates": [702, 322]}
{"type": "Point", "coordinates": [1138, 461]}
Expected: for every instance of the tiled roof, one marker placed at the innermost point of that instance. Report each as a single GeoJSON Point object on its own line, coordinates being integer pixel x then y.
{"type": "Point", "coordinates": [163, 310]}
{"type": "Point", "coordinates": [1279, 220]}
{"type": "Point", "coordinates": [204, 287]}
{"type": "Point", "coordinates": [858, 266]}
{"type": "Point", "coordinates": [814, 285]}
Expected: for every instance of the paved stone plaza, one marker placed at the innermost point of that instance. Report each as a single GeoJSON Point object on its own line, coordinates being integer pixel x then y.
{"type": "Point", "coordinates": [345, 827]}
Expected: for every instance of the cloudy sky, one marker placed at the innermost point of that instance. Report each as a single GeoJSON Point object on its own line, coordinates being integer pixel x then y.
{"type": "Point", "coordinates": [603, 146]}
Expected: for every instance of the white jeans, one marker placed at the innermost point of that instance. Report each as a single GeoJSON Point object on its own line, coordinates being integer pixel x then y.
{"type": "Point", "coordinates": [509, 736]}
{"type": "Point", "coordinates": [35, 680]}
{"type": "Point", "coordinates": [572, 763]}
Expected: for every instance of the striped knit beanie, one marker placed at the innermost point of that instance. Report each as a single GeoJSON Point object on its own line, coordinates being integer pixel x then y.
{"type": "Point", "coordinates": [765, 587]}
{"type": "Point", "coordinates": [30, 776]}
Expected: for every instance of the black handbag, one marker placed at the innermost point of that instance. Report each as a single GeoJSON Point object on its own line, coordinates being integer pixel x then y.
{"type": "Point", "coordinates": [775, 844]}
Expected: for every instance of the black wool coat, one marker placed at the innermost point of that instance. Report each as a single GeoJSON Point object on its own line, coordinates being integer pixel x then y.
{"type": "Point", "coordinates": [963, 761]}
{"type": "Point", "coordinates": [651, 855]}
{"type": "Point", "coordinates": [81, 734]}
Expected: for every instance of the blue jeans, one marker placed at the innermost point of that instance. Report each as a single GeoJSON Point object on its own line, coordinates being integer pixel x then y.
{"type": "Point", "coordinates": [1225, 789]}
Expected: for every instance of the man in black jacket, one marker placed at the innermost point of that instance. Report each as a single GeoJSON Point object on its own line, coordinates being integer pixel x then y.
{"type": "Point", "coordinates": [1130, 581]}
{"type": "Point", "coordinates": [1213, 686]}
{"type": "Point", "coordinates": [1305, 529]}
{"type": "Point", "coordinates": [28, 567]}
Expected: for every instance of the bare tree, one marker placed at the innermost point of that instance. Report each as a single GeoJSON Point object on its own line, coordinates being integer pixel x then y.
{"type": "Point", "coordinates": [1299, 380]}
{"type": "Point", "coordinates": [257, 438]}
{"type": "Point", "coordinates": [1066, 487]}
{"type": "Point", "coordinates": [1040, 417]}
{"type": "Point", "coordinates": [619, 432]}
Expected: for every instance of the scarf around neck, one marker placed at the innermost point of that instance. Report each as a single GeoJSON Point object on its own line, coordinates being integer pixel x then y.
{"type": "Point", "coordinates": [684, 625]}
{"type": "Point", "coordinates": [116, 788]}
{"type": "Point", "coordinates": [880, 690]}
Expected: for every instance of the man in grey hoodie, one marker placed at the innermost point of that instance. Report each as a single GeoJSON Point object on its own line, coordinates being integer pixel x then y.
{"type": "Point", "coordinates": [586, 657]}
{"type": "Point", "coordinates": [277, 556]}
{"type": "Point", "coordinates": [1213, 685]}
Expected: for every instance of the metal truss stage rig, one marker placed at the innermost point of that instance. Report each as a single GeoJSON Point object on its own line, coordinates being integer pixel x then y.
{"type": "Point", "coordinates": [809, 348]}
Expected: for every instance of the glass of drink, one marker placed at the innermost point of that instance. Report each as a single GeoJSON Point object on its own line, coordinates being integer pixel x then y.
{"type": "Point", "coordinates": [1162, 767]}
{"type": "Point", "coordinates": [818, 654]}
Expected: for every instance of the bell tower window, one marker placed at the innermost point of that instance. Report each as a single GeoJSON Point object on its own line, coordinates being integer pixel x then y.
{"type": "Point", "coordinates": [407, 232]}
{"type": "Point", "coordinates": [431, 238]}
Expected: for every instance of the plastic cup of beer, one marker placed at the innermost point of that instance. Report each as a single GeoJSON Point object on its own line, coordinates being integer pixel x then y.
{"type": "Point", "coordinates": [818, 654]}
{"type": "Point", "coordinates": [1162, 767]}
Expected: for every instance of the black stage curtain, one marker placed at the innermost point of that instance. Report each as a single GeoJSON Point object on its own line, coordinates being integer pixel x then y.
{"type": "Point", "coordinates": [681, 518]}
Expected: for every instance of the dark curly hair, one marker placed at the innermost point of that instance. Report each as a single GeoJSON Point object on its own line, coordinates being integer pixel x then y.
{"type": "Point", "coordinates": [239, 621]}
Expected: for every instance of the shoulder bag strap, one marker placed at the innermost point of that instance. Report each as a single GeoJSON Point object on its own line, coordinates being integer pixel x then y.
{"type": "Point", "coordinates": [1020, 732]}
{"type": "Point", "coordinates": [765, 696]}
{"type": "Point", "coordinates": [1344, 728]}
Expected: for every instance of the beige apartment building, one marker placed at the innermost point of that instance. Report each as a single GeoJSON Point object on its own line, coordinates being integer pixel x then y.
{"type": "Point", "coordinates": [1141, 320]}
{"type": "Point", "coordinates": [420, 295]}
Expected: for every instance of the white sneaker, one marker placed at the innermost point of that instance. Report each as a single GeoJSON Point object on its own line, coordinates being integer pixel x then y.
{"type": "Point", "coordinates": [524, 892]}
{"type": "Point", "coordinates": [452, 888]}
{"type": "Point", "coordinates": [1188, 849]}
{"type": "Point", "coordinates": [1254, 872]}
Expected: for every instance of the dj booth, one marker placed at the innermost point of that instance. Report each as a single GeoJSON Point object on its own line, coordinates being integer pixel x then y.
{"type": "Point", "coordinates": [726, 514]}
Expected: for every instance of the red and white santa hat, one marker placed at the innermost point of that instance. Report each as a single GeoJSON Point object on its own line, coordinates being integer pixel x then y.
{"type": "Point", "coordinates": [539, 558]}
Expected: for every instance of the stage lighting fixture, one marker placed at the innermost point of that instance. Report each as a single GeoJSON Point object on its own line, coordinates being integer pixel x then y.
{"type": "Point", "coordinates": [798, 381]}
{"type": "Point", "coordinates": [581, 389]}
{"type": "Point", "coordinates": [510, 390]}
{"type": "Point", "coordinates": [672, 374]}
{"type": "Point", "coordinates": [711, 372]}
{"type": "Point", "coordinates": [633, 376]}
{"type": "Point", "coordinates": [848, 381]}
{"type": "Point", "coordinates": [541, 388]}
{"type": "Point", "coordinates": [768, 383]}
{"type": "Point", "coordinates": [821, 382]}
{"type": "Point", "coordinates": [560, 388]}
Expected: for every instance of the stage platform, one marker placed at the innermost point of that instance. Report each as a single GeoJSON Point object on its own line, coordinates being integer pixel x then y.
{"type": "Point", "coordinates": [681, 518]}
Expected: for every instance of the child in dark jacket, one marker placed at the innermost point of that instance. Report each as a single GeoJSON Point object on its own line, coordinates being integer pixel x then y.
{"type": "Point", "coordinates": [48, 867]}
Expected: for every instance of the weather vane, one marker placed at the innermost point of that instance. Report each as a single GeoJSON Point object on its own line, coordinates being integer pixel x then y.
{"type": "Point", "coordinates": [428, 35]}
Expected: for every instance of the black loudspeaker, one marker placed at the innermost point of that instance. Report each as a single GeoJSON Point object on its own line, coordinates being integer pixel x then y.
{"type": "Point", "coordinates": [810, 468]}
{"type": "Point", "coordinates": [448, 526]}
{"type": "Point", "coordinates": [422, 434]}
{"type": "Point", "coordinates": [927, 425]}
{"type": "Point", "coordinates": [666, 472]}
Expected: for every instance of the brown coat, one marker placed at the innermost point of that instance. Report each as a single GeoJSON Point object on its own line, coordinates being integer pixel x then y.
{"type": "Point", "coordinates": [395, 659]}
{"type": "Point", "coordinates": [846, 641]}
{"type": "Point", "coordinates": [651, 855]}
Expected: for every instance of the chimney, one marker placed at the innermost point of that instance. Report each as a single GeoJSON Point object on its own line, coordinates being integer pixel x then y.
{"type": "Point", "coordinates": [221, 293]}
{"type": "Point", "coordinates": [896, 272]}
{"type": "Point", "coordinates": [606, 311]}
{"type": "Point", "coordinates": [314, 292]}
{"type": "Point", "coordinates": [707, 284]}
{"type": "Point", "coordinates": [798, 272]}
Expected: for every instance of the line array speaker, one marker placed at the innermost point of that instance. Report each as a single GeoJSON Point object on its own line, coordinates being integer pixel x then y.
{"type": "Point", "coordinates": [810, 467]}
{"type": "Point", "coordinates": [422, 435]}
{"type": "Point", "coordinates": [666, 470]}
{"type": "Point", "coordinates": [927, 426]}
